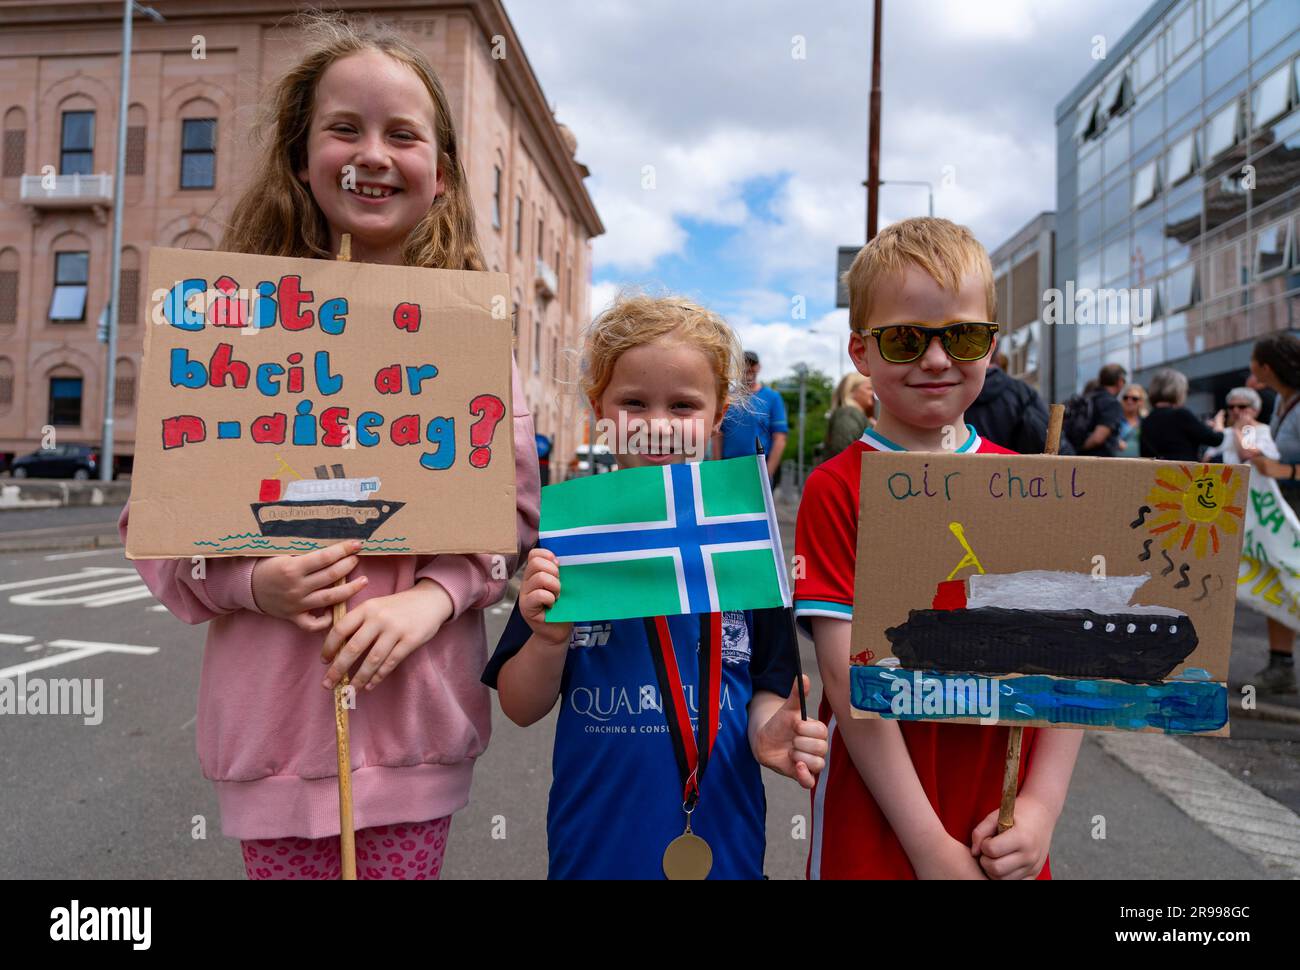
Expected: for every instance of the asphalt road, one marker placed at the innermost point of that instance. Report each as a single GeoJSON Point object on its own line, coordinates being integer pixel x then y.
{"type": "Point", "coordinates": [124, 798]}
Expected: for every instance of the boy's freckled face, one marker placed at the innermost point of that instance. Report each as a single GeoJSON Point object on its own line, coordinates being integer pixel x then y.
{"type": "Point", "coordinates": [934, 390]}
{"type": "Point", "coordinates": [375, 114]}
{"type": "Point", "coordinates": [666, 384]}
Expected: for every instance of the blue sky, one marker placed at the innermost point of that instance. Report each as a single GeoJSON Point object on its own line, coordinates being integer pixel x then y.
{"type": "Point", "coordinates": [751, 118]}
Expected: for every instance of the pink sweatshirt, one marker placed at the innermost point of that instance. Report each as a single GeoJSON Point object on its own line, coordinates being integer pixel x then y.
{"type": "Point", "coordinates": [266, 726]}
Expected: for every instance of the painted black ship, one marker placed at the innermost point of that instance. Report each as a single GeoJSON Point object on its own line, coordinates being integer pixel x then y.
{"type": "Point", "coordinates": [324, 508]}
{"type": "Point", "coordinates": [1019, 623]}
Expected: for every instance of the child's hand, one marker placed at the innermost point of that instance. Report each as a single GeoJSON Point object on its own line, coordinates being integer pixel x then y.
{"type": "Point", "coordinates": [948, 859]}
{"type": "Point", "coordinates": [538, 593]}
{"type": "Point", "coordinates": [790, 745]}
{"type": "Point", "coordinates": [290, 587]}
{"type": "Point", "coordinates": [1019, 852]}
{"type": "Point", "coordinates": [390, 628]}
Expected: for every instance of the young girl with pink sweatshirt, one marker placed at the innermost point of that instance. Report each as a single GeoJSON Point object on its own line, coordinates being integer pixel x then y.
{"type": "Point", "coordinates": [362, 98]}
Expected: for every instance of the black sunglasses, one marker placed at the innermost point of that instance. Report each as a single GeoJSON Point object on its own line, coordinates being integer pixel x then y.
{"type": "Point", "coordinates": [902, 343]}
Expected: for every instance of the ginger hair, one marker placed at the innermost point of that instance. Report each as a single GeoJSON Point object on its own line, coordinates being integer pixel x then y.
{"type": "Point", "coordinates": [943, 249]}
{"type": "Point", "coordinates": [639, 319]}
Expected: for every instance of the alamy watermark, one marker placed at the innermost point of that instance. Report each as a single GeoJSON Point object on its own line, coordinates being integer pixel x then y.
{"type": "Point", "coordinates": [670, 436]}
{"type": "Point", "coordinates": [1086, 306]}
{"type": "Point", "coordinates": [82, 697]}
{"type": "Point", "coordinates": [919, 695]}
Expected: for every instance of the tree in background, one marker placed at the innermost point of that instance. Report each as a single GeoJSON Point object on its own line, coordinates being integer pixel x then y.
{"type": "Point", "coordinates": [818, 390]}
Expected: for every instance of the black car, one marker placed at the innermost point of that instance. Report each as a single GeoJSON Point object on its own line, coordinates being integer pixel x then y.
{"type": "Point", "coordinates": [61, 461]}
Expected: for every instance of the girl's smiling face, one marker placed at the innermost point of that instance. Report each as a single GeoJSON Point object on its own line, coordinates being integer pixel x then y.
{"type": "Point", "coordinates": [661, 402]}
{"type": "Point", "coordinates": [372, 113]}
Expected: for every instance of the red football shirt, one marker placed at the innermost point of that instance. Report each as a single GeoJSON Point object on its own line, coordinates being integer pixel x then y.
{"type": "Point", "coordinates": [959, 765]}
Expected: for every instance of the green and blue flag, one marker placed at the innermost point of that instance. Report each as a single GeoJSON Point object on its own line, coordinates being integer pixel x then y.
{"type": "Point", "coordinates": [659, 541]}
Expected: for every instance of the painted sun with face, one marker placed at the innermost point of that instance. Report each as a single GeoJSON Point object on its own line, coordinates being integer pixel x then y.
{"type": "Point", "coordinates": [1194, 506]}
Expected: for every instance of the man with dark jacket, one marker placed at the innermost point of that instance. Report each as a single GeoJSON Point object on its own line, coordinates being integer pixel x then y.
{"type": "Point", "coordinates": [1107, 413]}
{"type": "Point", "coordinates": [1010, 413]}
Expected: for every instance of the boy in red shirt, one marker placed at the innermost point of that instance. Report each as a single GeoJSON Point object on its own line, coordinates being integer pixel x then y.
{"type": "Point", "coordinates": [913, 799]}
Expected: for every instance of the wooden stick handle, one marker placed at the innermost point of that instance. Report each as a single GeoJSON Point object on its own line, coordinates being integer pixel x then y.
{"type": "Point", "coordinates": [1010, 777]}
{"type": "Point", "coordinates": [347, 836]}
{"type": "Point", "coordinates": [1011, 773]}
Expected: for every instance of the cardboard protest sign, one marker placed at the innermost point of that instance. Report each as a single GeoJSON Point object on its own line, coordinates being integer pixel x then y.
{"type": "Point", "coordinates": [286, 404]}
{"type": "Point", "coordinates": [1036, 590]}
{"type": "Point", "coordinates": [1269, 581]}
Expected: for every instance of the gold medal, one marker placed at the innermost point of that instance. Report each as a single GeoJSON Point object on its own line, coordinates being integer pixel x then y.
{"type": "Point", "coordinates": [688, 857]}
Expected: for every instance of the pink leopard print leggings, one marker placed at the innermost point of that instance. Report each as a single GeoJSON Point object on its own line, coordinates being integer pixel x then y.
{"type": "Point", "coordinates": [410, 850]}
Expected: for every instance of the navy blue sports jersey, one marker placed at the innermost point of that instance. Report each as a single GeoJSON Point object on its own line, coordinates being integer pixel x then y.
{"type": "Point", "coordinates": [616, 795]}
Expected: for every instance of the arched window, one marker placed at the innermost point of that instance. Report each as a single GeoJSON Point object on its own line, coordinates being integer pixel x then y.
{"type": "Point", "coordinates": [15, 143]}
{"type": "Point", "coordinates": [198, 162]}
{"type": "Point", "coordinates": [137, 126]}
{"type": "Point", "coordinates": [193, 239]}
{"type": "Point", "coordinates": [77, 136]}
{"type": "Point", "coordinates": [129, 287]}
{"type": "Point", "coordinates": [124, 386]}
{"type": "Point", "coordinates": [66, 389]}
{"type": "Point", "coordinates": [498, 187]}
{"type": "Point", "coordinates": [8, 285]}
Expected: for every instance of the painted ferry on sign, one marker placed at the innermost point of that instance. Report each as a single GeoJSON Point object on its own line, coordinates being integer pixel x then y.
{"type": "Point", "coordinates": [323, 508]}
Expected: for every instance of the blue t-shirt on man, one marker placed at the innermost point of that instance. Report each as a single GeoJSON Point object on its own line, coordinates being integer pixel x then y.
{"type": "Point", "coordinates": [761, 417]}
{"type": "Point", "coordinates": [616, 794]}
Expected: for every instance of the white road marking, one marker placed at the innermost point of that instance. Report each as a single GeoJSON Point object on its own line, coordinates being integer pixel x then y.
{"type": "Point", "coordinates": [80, 555]}
{"type": "Point", "coordinates": [1243, 817]}
{"type": "Point", "coordinates": [74, 650]}
{"type": "Point", "coordinates": [59, 596]}
{"type": "Point", "coordinates": [85, 572]}
{"type": "Point", "coordinates": [14, 638]}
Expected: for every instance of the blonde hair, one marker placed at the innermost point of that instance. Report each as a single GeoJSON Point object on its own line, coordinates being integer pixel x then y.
{"type": "Point", "coordinates": [278, 216]}
{"type": "Point", "coordinates": [943, 249]}
{"type": "Point", "coordinates": [639, 319]}
{"type": "Point", "coordinates": [844, 389]}
{"type": "Point", "coordinates": [1144, 409]}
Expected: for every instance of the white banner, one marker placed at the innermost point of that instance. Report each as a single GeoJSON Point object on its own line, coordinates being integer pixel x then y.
{"type": "Point", "coordinates": [1269, 577]}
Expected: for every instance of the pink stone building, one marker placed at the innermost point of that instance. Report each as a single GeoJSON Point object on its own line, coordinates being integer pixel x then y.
{"type": "Point", "coordinates": [195, 83]}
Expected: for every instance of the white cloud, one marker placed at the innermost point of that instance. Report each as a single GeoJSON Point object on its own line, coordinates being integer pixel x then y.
{"type": "Point", "coordinates": [602, 296]}
{"type": "Point", "coordinates": [710, 95]}
{"type": "Point", "coordinates": [781, 345]}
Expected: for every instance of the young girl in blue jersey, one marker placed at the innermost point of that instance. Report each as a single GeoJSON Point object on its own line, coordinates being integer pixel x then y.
{"type": "Point", "coordinates": [616, 798]}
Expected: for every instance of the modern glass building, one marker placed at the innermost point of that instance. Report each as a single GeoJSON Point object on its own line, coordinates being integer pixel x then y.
{"type": "Point", "coordinates": [1178, 177]}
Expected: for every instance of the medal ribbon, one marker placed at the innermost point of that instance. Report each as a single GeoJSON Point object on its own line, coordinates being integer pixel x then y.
{"type": "Point", "coordinates": [692, 753]}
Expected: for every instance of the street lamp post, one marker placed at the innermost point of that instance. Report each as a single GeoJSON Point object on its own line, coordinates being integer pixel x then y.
{"type": "Point", "coordinates": [115, 266]}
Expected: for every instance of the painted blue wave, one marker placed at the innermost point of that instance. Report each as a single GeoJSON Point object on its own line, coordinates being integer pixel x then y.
{"type": "Point", "coordinates": [1174, 707]}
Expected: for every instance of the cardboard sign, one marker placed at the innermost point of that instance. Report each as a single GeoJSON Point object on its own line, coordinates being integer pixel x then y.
{"type": "Point", "coordinates": [287, 404]}
{"type": "Point", "coordinates": [1036, 590]}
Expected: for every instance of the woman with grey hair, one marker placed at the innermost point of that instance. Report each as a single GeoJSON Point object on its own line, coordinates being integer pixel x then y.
{"type": "Point", "coordinates": [1247, 430]}
{"type": "Point", "coordinates": [1171, 431]}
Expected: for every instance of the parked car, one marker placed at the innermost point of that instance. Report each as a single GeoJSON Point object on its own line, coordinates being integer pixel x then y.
{"type": "Point", "coordinates": [581, 463]}
{"type": "Point", "coordinates": [61, 461]}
